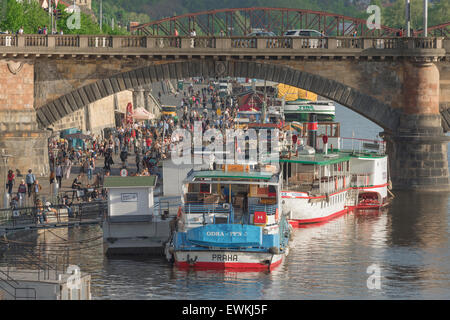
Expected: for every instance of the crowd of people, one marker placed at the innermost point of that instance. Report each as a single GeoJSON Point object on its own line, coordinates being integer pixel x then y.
{"type": "Point", "coordinates": [40, 30]}
{"type": "Point", "coordinates": [149, 144]}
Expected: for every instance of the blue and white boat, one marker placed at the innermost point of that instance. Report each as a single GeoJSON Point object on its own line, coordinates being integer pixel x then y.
{"type": "Point", "coordinates": [231, 219]}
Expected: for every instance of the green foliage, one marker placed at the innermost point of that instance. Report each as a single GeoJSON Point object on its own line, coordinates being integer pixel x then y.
{"type": "Point", "coordinates": [26, 14]}
{"type": "Point", "coordinates": [393, 15]}
{"type": "Point", "coordinates": [29, 14]}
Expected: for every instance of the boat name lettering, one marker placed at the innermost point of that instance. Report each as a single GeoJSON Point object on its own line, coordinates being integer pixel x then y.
{"type": "Point", "coordinates": [215, 233]}
{"type": "Point", "coordinates": [224, 257]}
{"type": "Point", "coordinates": [222, 234]}
{"type": "Point", "coordinates": [305, 108]}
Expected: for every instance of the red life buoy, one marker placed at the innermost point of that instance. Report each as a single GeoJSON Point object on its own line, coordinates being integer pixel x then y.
{"type": "Point", "coordinates": [179, 212]}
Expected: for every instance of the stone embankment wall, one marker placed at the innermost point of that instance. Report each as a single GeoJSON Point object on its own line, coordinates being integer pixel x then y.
{"type": "Point", "coordinates": [96, 116]}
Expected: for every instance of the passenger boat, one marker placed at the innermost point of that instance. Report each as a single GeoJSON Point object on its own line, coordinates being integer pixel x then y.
{"type": "Point", "coordinates": [321, 183]}
{"type": "Point", "coordinates": [300, 110]}
{"type": "Point", "coordinates": [231, 219]}
{"type": "Point", "coordinates": [370, 176]}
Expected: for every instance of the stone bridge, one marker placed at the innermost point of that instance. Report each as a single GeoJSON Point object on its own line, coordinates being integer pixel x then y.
{"type": "Point", "coordinates": [401, 84]}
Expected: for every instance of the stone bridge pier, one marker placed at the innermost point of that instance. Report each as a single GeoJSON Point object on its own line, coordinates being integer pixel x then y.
{"type": "Point", "coordinates": [418, 148]}
{"type": "Point", "coordinates": [20, 135]}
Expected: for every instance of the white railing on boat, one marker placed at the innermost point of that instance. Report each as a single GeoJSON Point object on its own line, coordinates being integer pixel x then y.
{"type": "Point", "coordinates": [363, 145]}
{"type": "Point", "coordinates": [334, 183]}
{"type": "Point", "coordinates": [361, 180]}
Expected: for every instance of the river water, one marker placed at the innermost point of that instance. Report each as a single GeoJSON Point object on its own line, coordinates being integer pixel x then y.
{"type": "Point", "coordinates": [407, 245]}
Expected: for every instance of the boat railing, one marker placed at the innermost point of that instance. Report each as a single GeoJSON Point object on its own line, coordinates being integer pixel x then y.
{"type": "Point", "coordinates": [334, 183]}
{"type": "Point", "coordinates": [361, 180]}
{"type": "Point", "coordinates": [363, 146]}
{"type": "Point", "coordinates": [202, 209]}
{"type": "Point", "coordinates": [267, 208]}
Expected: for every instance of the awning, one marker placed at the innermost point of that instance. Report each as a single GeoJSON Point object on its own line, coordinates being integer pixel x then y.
{"type": "Point", "coordinates": [142, 114]}
{"type": "Point", "coordinates": [78, 136]}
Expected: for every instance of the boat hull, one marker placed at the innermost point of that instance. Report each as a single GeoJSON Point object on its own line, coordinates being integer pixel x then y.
{"type": "Point", "coordinates": [228, 260]}
{"type": "Point", "coordinates": [378, 194]}
{"type": "Point", "coordinates": [305, 211]}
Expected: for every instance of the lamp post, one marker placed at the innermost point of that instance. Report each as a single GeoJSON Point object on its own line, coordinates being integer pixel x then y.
{"type": "Point", "coordinates": [5, 158]}
{"type": "Point", "coordinates": [425, 18]}
{"type": "Point", "coordinates": [408, 18]}
{"type": "Point", "coordinates": [101, 16]}
{"type": "Point", "coordinates": [55, 185]}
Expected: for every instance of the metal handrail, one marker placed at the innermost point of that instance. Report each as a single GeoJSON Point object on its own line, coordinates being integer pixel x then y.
{"type": "Point", "coordinates": [9, 279]}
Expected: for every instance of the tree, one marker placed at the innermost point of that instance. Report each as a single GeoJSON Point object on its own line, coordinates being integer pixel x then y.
{"type": "Point", "coordinates": [28, 14]}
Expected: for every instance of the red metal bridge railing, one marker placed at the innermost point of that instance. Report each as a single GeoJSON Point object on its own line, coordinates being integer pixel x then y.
{"type": "Point", "coordinates": [241, 21]}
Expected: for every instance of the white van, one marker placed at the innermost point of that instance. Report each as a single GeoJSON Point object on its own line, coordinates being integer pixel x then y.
{"type": "Point", "coordinates": [307, 33]}
{"type": "Point", "coordinates": [303, 33]}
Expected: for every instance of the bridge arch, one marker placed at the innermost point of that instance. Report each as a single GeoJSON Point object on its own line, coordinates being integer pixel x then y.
{"type": "Point", "coordinates": [371, 108]}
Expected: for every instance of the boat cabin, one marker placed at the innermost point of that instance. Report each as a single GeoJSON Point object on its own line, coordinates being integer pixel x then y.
{"type": "Point", "coordinates": [316, 173]}
{"type": "Point", "coordinates": [242, 194]}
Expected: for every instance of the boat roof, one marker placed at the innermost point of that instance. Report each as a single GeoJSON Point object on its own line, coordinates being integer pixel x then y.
{"type": "Point", "coordinates": [130, 182]}
{"type": "Point", "coordinates": [364, 155]}
{"type": "Point", "coordinates": [263, 125]}
{"type": "Point", "coordinates": [319, 158]}
{"type": "Point", "coordinates": [230, 176]}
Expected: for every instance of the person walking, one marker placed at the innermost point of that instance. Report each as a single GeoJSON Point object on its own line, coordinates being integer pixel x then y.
{"type": "Point", "coordinates": [30, 179]}
{"type": "Point", "coordinates": [10, 183]}
{"type": "Point", "coordinates": [138, 161]}
{"type": "Point", "coordinates": [76, 187]}
{"type": "Point", "coordinates": [91, 167]}
{"type": "Point", "coordinates": [108, 161]}
{"type": "Point", "coordinates": [21, 192]}
{"type": "Point", "coordinates": [123, 157]}
{"type": "Point", "coordinates": [36, 190]}
{"type": "Point", "coordinates": [59, 175]}
{"type": "Point", "coordinates": [116, 145]}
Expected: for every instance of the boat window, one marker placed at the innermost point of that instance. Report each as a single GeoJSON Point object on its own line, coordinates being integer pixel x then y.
{"type": "Point", "coordinates": [205, 188]}
{"type": "Point", "coordinates": [220, 220]}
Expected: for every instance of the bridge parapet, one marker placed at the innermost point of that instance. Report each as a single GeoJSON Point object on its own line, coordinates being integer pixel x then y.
{"type": "Point", "coordinates": [435, 47]}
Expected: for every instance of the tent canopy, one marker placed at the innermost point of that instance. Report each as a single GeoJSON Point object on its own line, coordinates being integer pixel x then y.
{"type": "Point", "coordinates": [142, 114]}
{"type": "Point", "coordinates": [292, 93]}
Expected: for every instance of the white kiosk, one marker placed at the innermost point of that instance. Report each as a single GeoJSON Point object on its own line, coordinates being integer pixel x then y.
{"type": "Point", "coordinates": [133, 225]}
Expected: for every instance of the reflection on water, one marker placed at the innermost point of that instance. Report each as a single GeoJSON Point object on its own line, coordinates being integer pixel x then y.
{"type": "Point", "coordinates": [409, 242]}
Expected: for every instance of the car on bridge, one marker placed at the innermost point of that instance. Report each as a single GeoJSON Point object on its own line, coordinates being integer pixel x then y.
{"type": "Point", "coordinates": [307, 33]}
{"type": "Point", "coordinates": [262, 34]}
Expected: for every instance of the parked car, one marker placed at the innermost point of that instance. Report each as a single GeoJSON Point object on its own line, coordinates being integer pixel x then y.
{"type": "Point", "coordinates": [308, 33]}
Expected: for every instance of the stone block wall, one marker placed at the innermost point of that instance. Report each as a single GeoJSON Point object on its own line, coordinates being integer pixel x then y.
{"type": "Point", "coordinates": [73, 120]}
{"type": "Point", "coordinates": [96, 116]}
{"type": "Point", "coordinates": [20, 136]}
